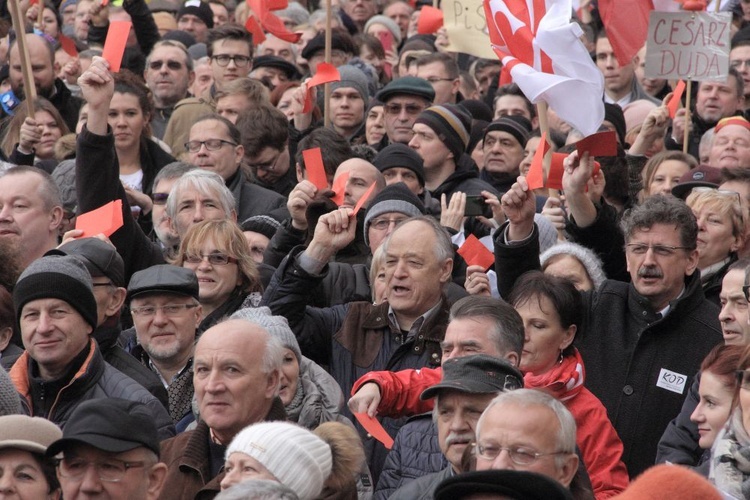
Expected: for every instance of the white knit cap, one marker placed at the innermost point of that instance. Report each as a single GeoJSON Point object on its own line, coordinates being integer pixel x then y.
{"type": "Point", "coordinates": [295, 456]}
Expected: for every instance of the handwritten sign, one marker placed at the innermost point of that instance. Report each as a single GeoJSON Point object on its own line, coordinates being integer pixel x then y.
{"type": "Point", "coordinates": [467, 28]}
{"type": "Point", "coordinates": [688, 45]}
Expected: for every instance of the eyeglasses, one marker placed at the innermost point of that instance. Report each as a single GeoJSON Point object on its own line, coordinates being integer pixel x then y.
{"type": "Point", "coordinates": [173, 65]}
{"type": "Point", "coordinates": [239, 61]}
{"type": "Point", "coordinates": [108, 283]}
{"type": "Point", "coordinates": [746, 292]}
{"type": "Point", "coordinates": [518, 454]}
{"type": "Point", "coordinates": [111, 470]}
{"type": "Point", "coordinates": [169, 310]}
{"type": "Point", "coordinates": [739, 63]}
{"type": "Point", "coordinates": [161, 198]}
{"type": "Point", "coordinates": [743, 379]}
{"type": "Point", "coordinates": [435, 79]}
{"type": "Point", "coordinates": [382, 224]}
{"type": "Point", "coordinates": [268, 166]}
{"type": "Point", "coordinates": [395, 109]}
{"type": "Point", "coordinates": [660, 250]}
{"type": "Point", "coordinates": [211, 145]}
{"type": "Point", "coordinates": [215, 259]}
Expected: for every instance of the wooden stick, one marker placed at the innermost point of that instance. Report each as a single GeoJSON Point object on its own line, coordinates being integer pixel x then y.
{"type": "Point", "coordinates": [686, 133]}
{"type": "Point", "coordinates": [29, 88]}
{"type": "Point", "coordinates": [327, 87]}
{"type": "Point", "coordinates": [717, 6]}
{"type": "Point", "coordinates": [541, 112]}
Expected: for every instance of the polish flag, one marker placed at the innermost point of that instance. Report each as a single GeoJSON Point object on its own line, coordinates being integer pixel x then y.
{"type": "Point", "coordinates": [542, 51]}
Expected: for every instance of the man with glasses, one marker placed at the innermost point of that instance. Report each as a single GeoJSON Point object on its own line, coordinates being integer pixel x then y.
{"type": "Point", "coordinates": [169, 73]}
{"type": "Point", "coordinates": [404, 99]}
{"type": "Point", "coordinates": [441, 71]}
{"type": "Point", "coordinates": [739, 59]}
{"type": "Point", "coordinates": [642, 341]}
{"type": "Point", "coordinates": [166, 314]}
{"type": "Point", "coordinates": [109, 449]}
{"type": "Point", "coordinates": [528, 430]}
{"type": "Point", "coordinates": [230, 52]}
{"type": "Point", "coordinates": [63, 366]}
{"type": "Point", "coordinates": [214, 144]}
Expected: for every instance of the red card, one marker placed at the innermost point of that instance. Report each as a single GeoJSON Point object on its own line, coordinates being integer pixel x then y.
{"type": "Point", "coordinates": [106, 220]}
{"type": "Point", "coordinates": [339, 186]}
{"type": "Point", "coordinates": [114, 46]}
{"type": "Point", "coordinates": [674, 102]}
{"type": "Point", "coordinates": [600, 144]}
{"type": "Point", "coordinates": [386, 40]}
{"type": "Point", "coordinates": [277, 4]}
{"type": "Point", "coordinates": [535, 176]}
{"type": "Point", "coordinates": [274, 25]}
{"type": "Point", "coordinates": [316, 172]}
{"type": "Point", "coordinates": [375, 429]}
{"type": "Point", "coordinates": [252, 26]}
{"type": "Point", "coordinates": [68, 45]}
{"type": "Point", "coordinates": [430, 20]}
{"type": "Point", "coordinates": [555, 174]}
{"type": "Point", "coordinates": [104, 3]}
{"type": "Point", "coordinates": [475, 253]}
{"type": "Point", "coordinates": [325, 73]}
{"type": "Point", "coordinates": [364, 199]}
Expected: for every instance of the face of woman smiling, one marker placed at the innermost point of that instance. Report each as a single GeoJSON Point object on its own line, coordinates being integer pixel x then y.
{"type": "Point", "coordinates": [289, 377]}
{"type": "Point", "coordinates": [21, 476]}
{"type": "Point", "coordinates": [544, 335]}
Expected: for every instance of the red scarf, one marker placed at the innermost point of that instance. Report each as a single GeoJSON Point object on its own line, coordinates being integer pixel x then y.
{"type": "Point", "coordinates": [564, 381]}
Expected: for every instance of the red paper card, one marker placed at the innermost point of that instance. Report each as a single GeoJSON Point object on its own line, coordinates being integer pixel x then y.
{"type": "Point", "coordinates": [104, 3]}
{"type": "Point", "coordinates": [316, 172]}
{"type": "Point", "coordinates": [274, 25]}
{"type": "Point", "coordinates": [277, 4]}
{"type": "Point", "coordinates": [555, 174]}
{"type": "Point", "coordinates": [339, 186]}
{"type": "Point", "coordinates": [535, 176]}
{"type": "Point", "coordinates": [386, 40]}
{"type": "Point", "coordinates": [375, 429]}
{"type": "Point", "coordinates": [252, 26]}
{"type": "Point", "coordinates": [114, 46]}
{"type": "Point", "coordinates": [600, 144]}
{"type": "Point", "coordinates": [325, 73]}
{"type": "Point", "coordinates": [106, 220]}
{"type": "Point", "coordinates": [68, 45]}
{"type": "Point", "coordinates": [674, 102]}
{"type": "Point", "coordinates": [430, 20]}
{"type": "Point", "coordinates": [363, 200]}
{"type": "Point", "coordinates": [475, 253]}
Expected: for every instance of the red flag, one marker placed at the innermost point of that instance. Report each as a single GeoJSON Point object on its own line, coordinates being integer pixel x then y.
{"type": "Point", "coordinates": [252, 26]}
{"type": "Point", "coordinates": [430, 20]}
{"type": "Point", "coordinates": [626, 22]}
{"type": "Point", "coordinates": [535, 176]}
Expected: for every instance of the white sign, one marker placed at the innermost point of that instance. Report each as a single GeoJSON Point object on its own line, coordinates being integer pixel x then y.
{"type": "Point", "coordinates": [685, 45]}
{"type": "Point", "coordinates": [671, 381]}
{"type": "Point", "coordinates": [467, 27]}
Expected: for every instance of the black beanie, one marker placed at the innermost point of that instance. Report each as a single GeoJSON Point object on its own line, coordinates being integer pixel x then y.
{"type": "Point", "coordinates": [199, 9]}
{"type": "Point", "coordinates": [57, 277]}
{"type": "Point", "coordinates": [402, 156]}
{"type": "Point", "coordinates": [614, 115]}
{"type": "Point", "coordinates": [517, 126]}
{"type": "Point", "coordinates": [451, 124]}
{"type": "Point", "coordinates": [477, 109]}
{"type": "Point", "coordinates": [393, 198]}
{"type": "Point", "coordinates": [476, 135]}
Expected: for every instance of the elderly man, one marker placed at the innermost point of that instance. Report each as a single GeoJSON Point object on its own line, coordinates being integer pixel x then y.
{"type": "Point", "coordinates": [118, 438]}
{"type": "Point", "coordinates": [730, 147]}
{"type": "Point", "coordinates": [469, 384]}
{"type": "Point", "coordinates": [641, 341]}
{"type": "Point", "coordinates": [236, 370]}
{"type": "Point", "coordinates": [30, 211]}
{"type": "Point", "coordinates": [360, 10]}
{"type": "Point", "coordinates": [169, 73]}
{"type": "Point", "coordinates": [404, 99]}
{"type": "Point", "coordinates": [503, 148]}
{"type": "Point", "coordinates": [195, 17]}
{"type": "Point", "coordinates": [273, 46]}
{"type": "Point", "coordinates": [528, 430]}
{"type": "Point", "coordinates": [166, 314]}
{"type": "Point", "coordinates": [404, 332]}
{"type": "Point", "coordinates": [215, 144]}
{"type": "Point", "coordinates": [715, 100]}
{"type": "Point", "coordinates": [197, 196]}
{"type": "Point", "coordinates": [63, 366]}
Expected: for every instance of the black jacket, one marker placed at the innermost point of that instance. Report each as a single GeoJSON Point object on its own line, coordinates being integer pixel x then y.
{"type": "Point", "coordinates": [251, 199]}
{"type": "Point", "coordinates": [679, 443]}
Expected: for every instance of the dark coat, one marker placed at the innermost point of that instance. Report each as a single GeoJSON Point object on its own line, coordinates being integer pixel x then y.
{"type": "Point", "coordinates": [679, 443]}
{"type": "Point", "coordinates": [422, 488]}
{"type": "Point", "coordinates": [251, 199]}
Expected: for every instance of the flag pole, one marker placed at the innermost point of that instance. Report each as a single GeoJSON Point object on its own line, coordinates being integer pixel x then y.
{"type": "Point", "coordinates": [327, 86]}
{"type": "Point", "coordinates": [686, 132]}
{"type": "Point", "coordinates": [28, 78]}
{"type": "Point", "coordinates": [541, 112]}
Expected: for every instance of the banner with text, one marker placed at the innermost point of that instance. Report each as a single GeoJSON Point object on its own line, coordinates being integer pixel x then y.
{"type": "Point", "coordinates": [688, 45]}
{"type": "Point", "coordinates": [467, 28]}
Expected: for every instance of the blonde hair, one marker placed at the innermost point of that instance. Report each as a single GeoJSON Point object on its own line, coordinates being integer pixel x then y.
{"type": "Point", "coordinates": [722, 202]}
{"type": "Point", "coordinates": [653, 164]}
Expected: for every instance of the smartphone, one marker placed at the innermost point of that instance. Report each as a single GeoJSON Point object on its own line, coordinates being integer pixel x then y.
{"type": "Point", "coordinates": [475, 205]}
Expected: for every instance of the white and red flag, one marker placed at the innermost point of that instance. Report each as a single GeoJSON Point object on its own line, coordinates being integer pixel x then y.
{"type": "Point", "coordinates": [542, 51]}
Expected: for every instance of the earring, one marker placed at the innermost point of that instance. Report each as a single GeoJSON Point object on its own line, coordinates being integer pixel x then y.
{"type": "Point", "coordinates": [561, 357]}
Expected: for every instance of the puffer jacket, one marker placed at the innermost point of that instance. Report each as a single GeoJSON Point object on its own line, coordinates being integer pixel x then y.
{"type": "Point", "coordinates": [95, 379]}
{"type": "Point", "coordinates": [422, 488]}
{"type": "Point", "coordinates": [322, 398]}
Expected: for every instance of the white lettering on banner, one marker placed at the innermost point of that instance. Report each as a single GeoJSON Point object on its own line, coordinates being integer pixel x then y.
{"type": "Point", "coordinates": [671, 381]}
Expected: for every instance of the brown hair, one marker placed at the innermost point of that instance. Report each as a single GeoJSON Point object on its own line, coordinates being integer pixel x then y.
{"type": "Point", "coordinates": [13, 132]}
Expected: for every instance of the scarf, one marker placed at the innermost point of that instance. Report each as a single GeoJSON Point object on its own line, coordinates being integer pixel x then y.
{"type": "Point", "coordinates": [730, 458]}
{"type": "Point", "coordinates": [294, 408]}
{"type": "Point", "coordinates": [564, 381]}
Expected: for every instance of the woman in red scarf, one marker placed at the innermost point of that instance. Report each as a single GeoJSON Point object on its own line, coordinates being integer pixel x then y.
{"type": "Point", "coordinates": [551, 310]}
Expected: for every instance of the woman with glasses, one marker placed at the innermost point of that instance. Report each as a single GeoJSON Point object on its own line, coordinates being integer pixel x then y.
{"type": "Point", "coordinates": [227, 274]}
{"type": "Point", "coordinates": [551, 310]}
{"type": "Point", "coordinates": [721, 232]}
{"type": "Point", "coordinates": [730, 455]}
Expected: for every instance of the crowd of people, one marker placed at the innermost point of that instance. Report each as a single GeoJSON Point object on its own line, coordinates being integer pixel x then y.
{"type": "Point", "coordinates": [234, 335]}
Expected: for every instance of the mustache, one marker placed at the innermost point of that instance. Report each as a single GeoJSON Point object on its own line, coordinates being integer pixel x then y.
{"type": "Point", "coordinates": [452, 438]}
{"type": "Point", "coordinates": [650, 272]}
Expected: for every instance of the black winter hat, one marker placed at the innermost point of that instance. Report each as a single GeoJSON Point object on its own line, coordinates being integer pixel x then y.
{"type": "Point", "coordinates": [393, 198]}
{"type": "Point", "coordinates": [198, 9]}
{"type": "Point", "coordinates": [401, 156]}
{"type": "Point", "coordinates": [451, 124]}
{"type": "Point", "coordinates": [517, 126]}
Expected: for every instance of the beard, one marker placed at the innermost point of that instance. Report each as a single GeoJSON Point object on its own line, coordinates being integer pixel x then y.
{"type": "Point", "coordinates": [42, 92]}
